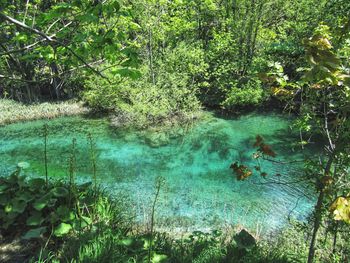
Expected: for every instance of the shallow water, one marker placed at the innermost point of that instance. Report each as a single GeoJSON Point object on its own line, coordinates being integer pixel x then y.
{"type": "Point", "coordinates": [200, 192]}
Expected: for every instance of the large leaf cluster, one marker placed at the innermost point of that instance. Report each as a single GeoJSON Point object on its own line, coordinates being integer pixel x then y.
{"type": "Point", "coordinates": [33, 207]}
{"type": "Point", "coordinates": [79, 36]}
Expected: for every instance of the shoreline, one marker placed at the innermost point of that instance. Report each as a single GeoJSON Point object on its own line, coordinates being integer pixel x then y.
{"type": "Point", "coordinates": [15, 112]}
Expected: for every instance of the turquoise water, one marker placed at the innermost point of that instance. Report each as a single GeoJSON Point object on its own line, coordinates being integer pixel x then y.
{"type": "Point", "coordinates": [200, 192]}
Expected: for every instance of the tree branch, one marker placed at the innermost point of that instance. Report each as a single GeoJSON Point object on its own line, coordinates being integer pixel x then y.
{"type": "Point", "coordinates": [20, 79]}
{"type": "Point", "coordinates": [24, 26]}
{"type": "Point", "coordinates": [51, 39]}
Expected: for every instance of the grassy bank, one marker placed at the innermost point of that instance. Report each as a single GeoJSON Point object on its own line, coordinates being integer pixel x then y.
{"type": "Point", "coordinates": [12, 111]}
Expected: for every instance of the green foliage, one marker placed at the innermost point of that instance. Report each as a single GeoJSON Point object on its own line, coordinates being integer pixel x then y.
{"type": "Point", "coordinates": [109, 246]}
{"type": "Point", "coordinates": [142, 102]}
{"type": "Point", "coordinates": [190, 53]}
{"type": "Point", "coordinates": [324, 91]}
{"type": "Point", "coordinates": [289, 246]}
{"type": "Point", "coordinates": [341, 209]}
{"type": "Point", "coordinates": [211, 51]}
{"type": "Point", "coordinates": [49, 42]}
{"type": "Point", "coordinates": [248, 94]}
{"type": "Point", "coordinates": [32, 206]}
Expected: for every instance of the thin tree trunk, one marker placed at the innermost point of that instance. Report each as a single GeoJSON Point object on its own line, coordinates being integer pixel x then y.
{"type": "Point", "coordinates": [318, 212]}
{"type": "Point", "coordinates": [150, 51]}
{"type": "Point", "coordinates": [317, 223]}
{"type": "Point", "coordinates": [335, 238]}
{"type": "Point", "coordinates": [55, 80]}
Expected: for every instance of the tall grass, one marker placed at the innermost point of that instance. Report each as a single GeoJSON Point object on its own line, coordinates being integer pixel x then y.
{"type": "Point", "coordinates": [159, 183]}
{"type": "Point", "coordinates": [12, 111]}
{"type": "Point", "coordinates": [45, 129]}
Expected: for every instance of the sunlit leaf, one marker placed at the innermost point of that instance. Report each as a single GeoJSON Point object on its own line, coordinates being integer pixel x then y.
{"type": "Point", "coordinates": [65, 214]}
{"type": "Point", "coordinates": [62, 229]}
{"type": "Point", "coordinates": [157, 258]}
{"type": "Point", "coordinates": [341, 209]}
{"type": "Point", "coordinates": [42, 202]}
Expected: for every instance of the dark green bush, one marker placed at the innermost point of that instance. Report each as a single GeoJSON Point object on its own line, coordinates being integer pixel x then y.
{"type": "Point", "coordinates": [36, 208]}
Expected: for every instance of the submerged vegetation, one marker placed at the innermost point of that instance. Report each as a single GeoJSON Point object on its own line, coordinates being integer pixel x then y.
{"type": "Point", "coordinates": [72, 222]}
{"type": "Point", "coordinates": [61, 221]}
{"type": "Point", "coordinates": [50, 220]}
{"type": "Point", "coordinates": [160, 63]}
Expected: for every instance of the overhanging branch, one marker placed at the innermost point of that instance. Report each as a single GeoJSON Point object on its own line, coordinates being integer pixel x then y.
{"type": "Point", "coordinates": [51, 39]}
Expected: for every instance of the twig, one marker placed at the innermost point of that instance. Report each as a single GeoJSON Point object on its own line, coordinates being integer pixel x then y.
{"type": "Point", "coordinates": [159, 183]}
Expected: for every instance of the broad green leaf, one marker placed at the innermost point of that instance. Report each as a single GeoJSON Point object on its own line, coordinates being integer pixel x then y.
{"type": "Point", "coordinates": [3, 187]}
{"type": "Point", "coordinates": [36, 183]}
{"type": "Point", "coordinates": [35, 219]}
{"type": "Point", "coordinates": [41, 202]}
{"type": "Point", "coordinates": [8, 208]}
{"type": "Point", "coordinates": [127, 72]}
{"type": "Point", "coordinates": [60, 191]}
{"type": "Point", "coordinates": [157, 258]}
{"type": "Point", "coordinates": [85, 221]}
{"type": "Point", "coordinates": [20, 37]}
{"type": "Point", "coordinates": [65, 214]}
{"type": "Point", "coordinates": [62, 229]}
{"type": "Point", "coordinates": [62, 7]}
{"type": "Point", "coordinates": [82, 222]}
{"type": "Point", "coordinates": [35, 233]}
{"type": "Point", "coordinates": [126, 242]}
{"type": "Point", "coordinates": [88, 18]}
{"type": "Point", "coordinates": [18, 206]}
{"type": "Point", "coordinates": [24, 196]}
{"type": "Point", "coordinates": [47, 53]}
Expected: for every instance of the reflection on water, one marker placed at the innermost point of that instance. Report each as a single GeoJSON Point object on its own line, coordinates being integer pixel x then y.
{"type": "Point", "coordinates": [200, 192]}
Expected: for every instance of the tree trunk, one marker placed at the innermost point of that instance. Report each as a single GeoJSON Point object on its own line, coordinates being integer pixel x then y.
{"type": "Point", "coordinates": [317, 223]}
{"type": "Point", "coordinates": [335, 238]}
{"type": "Point", "coordinates": [318, 212]}
{"type": "Point", "coordinates": [149, 46]}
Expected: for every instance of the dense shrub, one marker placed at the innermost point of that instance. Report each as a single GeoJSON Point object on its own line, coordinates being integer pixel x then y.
{"type": "Point", "coordinates": [144, 101]}
{"type": "Point", "coordinates": [248, 94]}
